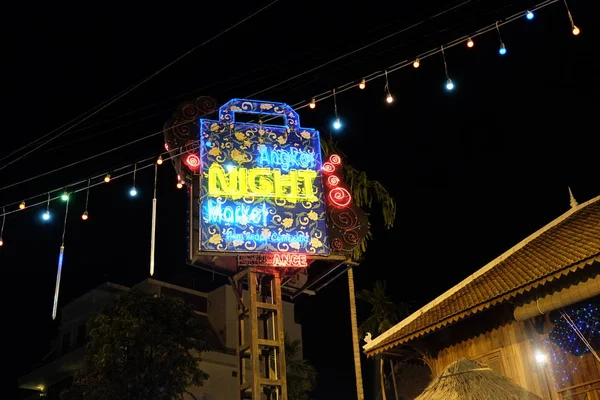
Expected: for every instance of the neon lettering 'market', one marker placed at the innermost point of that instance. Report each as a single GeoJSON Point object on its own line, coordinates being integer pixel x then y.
{"type": "Point", "coordinates": [262, 182]}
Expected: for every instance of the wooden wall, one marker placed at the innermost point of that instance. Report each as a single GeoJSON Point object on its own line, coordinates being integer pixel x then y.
{"type": "Point", "coordinates": [509, 347]}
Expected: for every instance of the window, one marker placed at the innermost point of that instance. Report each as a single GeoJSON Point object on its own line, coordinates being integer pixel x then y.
{"type": "Point", "coordinates": [66, 343]}
{"type": "Point", "coordinates": [494, 361]}
{"type": "Point", "coordinates": [80, 339]}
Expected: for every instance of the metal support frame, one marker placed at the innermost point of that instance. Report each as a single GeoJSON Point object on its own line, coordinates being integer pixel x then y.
{"type": "Point", "coordinates": [260, 335]}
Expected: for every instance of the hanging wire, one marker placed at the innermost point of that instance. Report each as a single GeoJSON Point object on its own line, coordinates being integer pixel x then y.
{"type": "Point", "coordinates": [3, 222]}
{"type": "Point", "coordinates": [153, 233]}
{"type": "Point", "coordinates": [498, 30]}
{"type": "Point", "coordinates": [445, 64]}
{"type": "Point", "coordinates": [60, 262]}
{"type": "Point", "coordinates": [48, 203]}
{"type": "Point", "coordinates": [134, 171]}
{"type": "Point", "coordinates": [87, 194]}
{"type": "Point", "coordinates": [387, 83]}
{"type": "Point", "coordinates": [569, 12]}
{"type": "Point", "coordinates": [335, 104]}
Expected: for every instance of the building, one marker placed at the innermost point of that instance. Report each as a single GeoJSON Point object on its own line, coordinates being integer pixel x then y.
{"type": "Point", "coordinates": [217, 310]}
{"type": "Point", "coordinates": [513, 314]}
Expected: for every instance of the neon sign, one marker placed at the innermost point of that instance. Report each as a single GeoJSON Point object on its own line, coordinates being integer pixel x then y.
{"type": "Point", "coordinates": [261, 185]}
{"type": "Point", "coordinates": [273, 260]}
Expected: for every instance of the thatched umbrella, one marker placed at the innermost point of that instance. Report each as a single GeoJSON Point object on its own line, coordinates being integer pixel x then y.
{"type": "Point", "coordinates": [469, 380]}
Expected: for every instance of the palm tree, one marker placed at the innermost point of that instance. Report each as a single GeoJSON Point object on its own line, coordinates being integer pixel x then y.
{"type": "Point", "coordinates": [384, 315]}
{"type": "Point", "coordinates": [301, 375]}
{"type": "Point", "coordinates": [364, 191]}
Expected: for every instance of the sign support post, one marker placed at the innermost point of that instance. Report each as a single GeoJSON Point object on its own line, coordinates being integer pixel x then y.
{"type": "Point", "coordinates": [260, 346]}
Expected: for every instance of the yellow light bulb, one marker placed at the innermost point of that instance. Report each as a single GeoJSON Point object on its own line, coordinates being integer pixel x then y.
{"type": "Point", "coordinates": [417, 63]}
{"type": "Point", "coordinates": [362, 84]}
{"type": "Point", "coordinates": [179, 185]}
{"type": "Point", "coordinates": [160, 160]}
{"type": "Point", "coordinates": [22, 205]}
{"type": "Point", "coordinates": [107, 178]}
{"type": "Point", "coordinates": [389, 98]}
{"type": "Point", "coordinates": [312, 104]}
{"type": "Point", "coordinates": [84, 216]}
{"type": "Point", "coordinates": [470, 43]}
{"type": "Point", "coordinates": [1, 242]}
{"type": "Point", "coordinates": [576, 30]}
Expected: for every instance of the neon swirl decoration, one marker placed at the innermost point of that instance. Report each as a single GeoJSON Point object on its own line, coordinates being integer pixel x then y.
{"type": "Point", "coordinates": [340, 197]}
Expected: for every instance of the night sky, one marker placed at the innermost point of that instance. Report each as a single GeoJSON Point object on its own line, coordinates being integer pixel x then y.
{"type": "Point", "coordinates": [473, 171]}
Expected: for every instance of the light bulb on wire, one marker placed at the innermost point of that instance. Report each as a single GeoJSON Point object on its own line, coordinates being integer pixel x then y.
{"type": "Point", "coordinates": [389, 98]}
{"type": "Point", "coordinates": [84, 216]}
{"type": "Point", "coordinates": [362, 84]}
{"type": "Point", "coordinates": [470, 43]}
{"type": "Point", "coordinates": [417, 63]}
{"type": "Point", "coordinates": [64, 196]}
{"type": "Point", "coordinates": [529, 15]}
{"type": "Point", "coordinates": [107, 178]}
{"type": "Point", "coordinates": [576, 30]}
{"type": "Point", "coordinates": [337, 124]}
{"type": "Point", "coordinates": [502, 49]}
{"type": "Point", "coordinates": [312, 104]}
{"type": "Point", "coordinates": [22, 205]}
{"type": "Point", "coordinates": [449, 85]}
{"type": "Point", "coordinates": [179, 184]}
{"type": "Point", "coordinates": [133, 191]}
{"type": "Point", "coordinates": [160, 160]}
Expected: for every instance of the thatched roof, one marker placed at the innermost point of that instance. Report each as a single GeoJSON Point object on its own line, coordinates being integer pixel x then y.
{"type": "Point", "coordinates": [469, 380]}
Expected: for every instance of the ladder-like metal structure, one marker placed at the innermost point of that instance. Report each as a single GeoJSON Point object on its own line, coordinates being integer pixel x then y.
{"type": "Point", "coordinates": [260, 335]}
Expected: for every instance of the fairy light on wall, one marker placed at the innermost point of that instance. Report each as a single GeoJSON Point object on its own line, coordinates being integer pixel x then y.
{"type": "Point", "coordinates": [566, 347]}
{"type": "Point", "coordinates": [389, 98]}
{"type": "Point", "coordinates": [502, 49]}
{"type": "Point", "coordinates": [449, 83]}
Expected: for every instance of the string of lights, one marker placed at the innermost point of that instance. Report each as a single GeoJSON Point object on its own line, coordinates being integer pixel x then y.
{"type": "Point", "coordinates": [415, 62]}
{"type": "Point", "coordinates": [102, 179]}
{"type": "Point", "coordinates": [95, 110]}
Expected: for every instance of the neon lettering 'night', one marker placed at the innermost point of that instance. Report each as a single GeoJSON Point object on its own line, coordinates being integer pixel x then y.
{"type": "Point", "coordinates": [295, 185]}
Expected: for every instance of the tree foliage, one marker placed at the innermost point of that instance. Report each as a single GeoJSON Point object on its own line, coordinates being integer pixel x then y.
{"type": "Point", "coordinates": [384, 312]}
{"type": "Point", "coordinates": [364, 192]}
{"type": "Point", "coordinates": [301, 375]}
{"type": "Point", "coordinates": [141, 347]}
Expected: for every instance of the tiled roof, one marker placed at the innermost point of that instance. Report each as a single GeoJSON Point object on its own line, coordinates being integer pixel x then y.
{"type": "Point", "coordinates": [568, 243]}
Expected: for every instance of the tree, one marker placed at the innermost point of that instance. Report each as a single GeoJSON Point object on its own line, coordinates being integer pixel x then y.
{"type": "Point", "coordinates": [301, 375]}
{"type": "Point", "coordinates": [364, 191]}
{"type": "Point", "coordinates": [384, 315]}
{"type": "Point", "coordinates": [141, 347]}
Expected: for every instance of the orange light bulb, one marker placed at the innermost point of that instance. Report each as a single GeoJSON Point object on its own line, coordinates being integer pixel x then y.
{"type": "Point", "coordinates": [160, 160]}
{"type": "Point", "coordinates": [1, 242]}
{"type": "Point", "coordinates": [470, 43]}
{"type": "Point", "coordinates": [84, 216]}
{"type": "Point", "coordinates": [576, 30]}
{"type": "Point", "coordinates": [362, 84]}
{"type": "Point", "coordinates": [312, 104]}
{"type": "Point", "coordinates": [22, 205]}
{"type": "Point", "coordinates": [417, 63]}
{"type": "Point", "coordinates": [389, 98]}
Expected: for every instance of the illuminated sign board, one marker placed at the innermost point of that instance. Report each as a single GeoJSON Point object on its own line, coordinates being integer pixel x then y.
{"type": "Point", "coordinates": [261, 185]}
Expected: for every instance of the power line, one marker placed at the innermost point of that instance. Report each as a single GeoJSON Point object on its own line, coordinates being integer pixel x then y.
{"type": "Point", "coordinates": [132, 88]}
{"type": "Point", "coordinates": [325, 95]}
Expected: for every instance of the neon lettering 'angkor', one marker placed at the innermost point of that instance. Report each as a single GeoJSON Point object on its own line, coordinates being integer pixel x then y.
{"type": "Point", "coordinates": [295, 185]}
{"type": "Point", "coordinates": [286, 158]}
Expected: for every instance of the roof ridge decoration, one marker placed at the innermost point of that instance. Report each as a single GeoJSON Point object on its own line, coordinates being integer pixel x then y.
{"type": "Point", "coordinates": [573, 203]}
{"type": "Point", "coordinates": [381, 338]}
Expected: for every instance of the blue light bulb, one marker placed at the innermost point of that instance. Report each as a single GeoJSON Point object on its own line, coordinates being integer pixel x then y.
{"type": "Point", "coordinates": [337, 124]}
{"type": "Point", "coordinates": [502, 49]}
{"type": "Point", "coordinates": [449, 85]}
{"type": "Point", "coordinates": [46, 215]}
{"type": "Point", "coordinates": [133, 192]}
{"type": "Point", "coordinates": [529, 15]}
{"type": "Point", "coordinates": [208, 144]}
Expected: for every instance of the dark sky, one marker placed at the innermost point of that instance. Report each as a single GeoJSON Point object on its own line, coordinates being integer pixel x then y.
{"type": "Point", "coordinates": [473, 171]}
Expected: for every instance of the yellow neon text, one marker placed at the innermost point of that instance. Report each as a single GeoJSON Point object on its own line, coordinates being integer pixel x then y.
{"type": "Point", "coordinates": [296, 185]}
